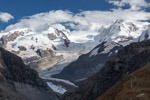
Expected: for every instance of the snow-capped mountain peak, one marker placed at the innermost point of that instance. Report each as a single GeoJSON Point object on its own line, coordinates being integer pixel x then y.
{"type": "Point", "coordinates": [51, 41]}
{"type": "Point", "coordinates": [122, 31]}
{"type": "Point", "coordinates": [39, 47]}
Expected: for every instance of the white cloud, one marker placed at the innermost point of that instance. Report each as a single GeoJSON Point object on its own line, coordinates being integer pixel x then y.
{"type": "Point", "coordinates": [85, 21]}
{"type": "Point", "coordinates": [134, 4]}
{"type": "Point", "coordinates": [5, 17]}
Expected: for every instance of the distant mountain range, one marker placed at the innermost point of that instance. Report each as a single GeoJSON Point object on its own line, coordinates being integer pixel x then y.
{"type": "Point", "coordinates": [66, 60]}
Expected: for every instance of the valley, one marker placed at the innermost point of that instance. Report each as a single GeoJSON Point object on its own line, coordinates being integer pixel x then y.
{"type": "Point", "coordinates": [74, 49]}
{"type": "Point", "coordinates": [65, 60]}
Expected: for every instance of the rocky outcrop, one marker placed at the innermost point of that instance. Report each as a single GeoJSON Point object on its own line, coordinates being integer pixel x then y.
{"type": "Point", "coordinates": [58, 33]}
{"type": "Point", "coordinates": [128, 60]}
{"type": "Point", "coordinates": [19, 82]}
{"type": "Point", "coordinates": [10, 37]}
{"type": "Point", "coordinates": [22, 48]}
{"type": "Point", "coordinates": [44, 53]}
{"type": "Point", "coordinates": [51, 36]}
{"type": "Point", "coordinates": [136, 86]}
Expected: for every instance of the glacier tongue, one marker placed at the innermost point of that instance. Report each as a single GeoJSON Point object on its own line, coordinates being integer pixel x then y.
{"type": "Point", "coordinates": [56, 88]}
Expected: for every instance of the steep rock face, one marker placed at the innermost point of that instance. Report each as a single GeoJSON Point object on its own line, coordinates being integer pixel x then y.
{"type": "Point", "coordinates": [128, 59]}
{"type": "Point", "coordinates": [136, 86]}
{"type": "Point", "coordinates": [88, 64]}
{"type": "Point", "coordinates": [18, 81]}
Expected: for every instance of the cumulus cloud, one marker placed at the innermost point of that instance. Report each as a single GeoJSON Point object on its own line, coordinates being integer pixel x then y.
{"type": "Point", "coordinates": [5, 17]}
{"type": "Point", "coordinates": [134, 4]}
{"type": "Point", "coordinates": [85, 21]}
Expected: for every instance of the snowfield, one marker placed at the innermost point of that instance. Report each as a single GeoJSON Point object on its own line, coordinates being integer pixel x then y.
{"type": "Point", "coordinates": [55, 88]}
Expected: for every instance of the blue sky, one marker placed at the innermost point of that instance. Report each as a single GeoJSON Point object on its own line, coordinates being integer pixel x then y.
{"type": "Point", "coordinates": [21, 8]}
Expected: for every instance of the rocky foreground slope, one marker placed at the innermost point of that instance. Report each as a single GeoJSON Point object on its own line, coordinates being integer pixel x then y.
{"type": "Point", "coordinates": [127, 60]}
{"type": "Point", "coordinates": [19, 82]}
{"type": "Point", "coordinates": [136, 86]}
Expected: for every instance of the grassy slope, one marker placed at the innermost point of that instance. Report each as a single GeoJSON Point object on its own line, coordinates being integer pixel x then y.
{"type": "Point", "coordinates": [136, 86]}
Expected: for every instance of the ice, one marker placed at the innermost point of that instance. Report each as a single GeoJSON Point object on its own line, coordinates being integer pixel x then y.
{"type": "Point", "coordinates": [56, 88]}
